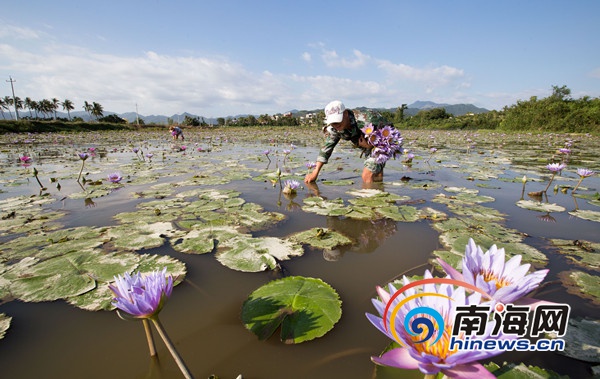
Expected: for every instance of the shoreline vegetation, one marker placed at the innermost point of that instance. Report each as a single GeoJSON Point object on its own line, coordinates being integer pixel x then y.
{"type": "Point", "coordinates": [558, 113]}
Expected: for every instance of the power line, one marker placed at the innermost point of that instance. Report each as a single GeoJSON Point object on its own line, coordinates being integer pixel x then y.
{"type": "Point", "coordinates": [14, 97]}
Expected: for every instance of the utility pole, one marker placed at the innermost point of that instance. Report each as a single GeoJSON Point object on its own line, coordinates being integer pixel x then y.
{"type": "Point", "coordinates": [14, 98]}
{"type": "Point", "coordinates": [137, 116]}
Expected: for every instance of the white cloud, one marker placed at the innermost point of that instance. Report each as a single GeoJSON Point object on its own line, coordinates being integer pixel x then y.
{"type": "Point", "coordinates": [434, 76]}
{"type": "Point", "coordinates": [12, 32]}
{"type": "Point", "coordinates": [306, 57]}
{"type": "Point", "coordinates": [332, 59]}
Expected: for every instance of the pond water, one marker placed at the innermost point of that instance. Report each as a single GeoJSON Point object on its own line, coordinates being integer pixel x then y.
{"type": "Point", "coordinates": [470, 174]}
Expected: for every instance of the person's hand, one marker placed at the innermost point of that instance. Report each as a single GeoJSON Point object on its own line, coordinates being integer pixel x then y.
{"type": "Point", "coordinates": [311, 177]}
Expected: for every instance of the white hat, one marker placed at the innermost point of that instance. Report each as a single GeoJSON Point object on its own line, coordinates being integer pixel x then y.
{"type": "Point", "coordinates": [334, 112]}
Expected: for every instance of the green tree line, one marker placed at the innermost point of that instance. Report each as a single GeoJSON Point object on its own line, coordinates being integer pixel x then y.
{"type": "Point", "coordinates": [555, 113]}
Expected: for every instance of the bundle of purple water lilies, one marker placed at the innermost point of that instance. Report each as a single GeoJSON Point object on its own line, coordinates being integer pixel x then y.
{"type": "Point", "coordinates": [386, 142]}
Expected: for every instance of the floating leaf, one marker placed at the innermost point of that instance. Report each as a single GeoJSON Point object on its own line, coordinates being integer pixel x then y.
{"type": "Point", "coordinates": [4, 324]}
{"type": "Point", "coordinates": [521, 371]}
{"type": "Point", "coordinates": [324, 207]}
{"type": "Point", "coordinates": [581, 340]}
{"type": "Point", "coordinates": [321, 238]}
{"type": "Point", "coordinates": [253, 254]}
{"type": "Point", "coordinates": [586, 214]}
{"type": "Point", "coordinates": [304, 308]}
{"type": "Point", "coordinates": [539, 206]}
{"type": "Point", "coordinates": [140, 235]}
{"type": "Point", "coordinates": [404, 213]}
{"type": "Point", "coordinates": [204, 238]}
{"type": "Point", "coordinates": [582, 253]}
{"type": "Point", "coordinates": [582, 284]}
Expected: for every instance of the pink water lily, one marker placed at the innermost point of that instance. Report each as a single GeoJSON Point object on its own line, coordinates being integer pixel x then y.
{"type": "Point", "coordinates": [505, 281]}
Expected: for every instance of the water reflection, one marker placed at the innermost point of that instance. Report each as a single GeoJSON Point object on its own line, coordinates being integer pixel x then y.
{"type": "Point", "coordinates": [367, 235]}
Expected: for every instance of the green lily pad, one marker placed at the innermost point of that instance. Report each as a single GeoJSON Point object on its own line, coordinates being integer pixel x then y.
{"type": "Point", "coordinates": [404, 213]}
{"type": "Point", "coordinates": [4, 324]}
{"type": "Point", "coordinates": [253, 254]}
{"type": "Point", "coordinates": [51, 244]}
{"type": "Point", "coordinates": [346, 182]}
{"type": "Point", "coordinates": [582, 253]}
{"type": "Point", "coordinates": [581, 340]}
{"type": "Point", "coordinates": [582, 284]}
{"type": "Point", "coordinates": [100, 298]}
{"type": "Point", "coordinates": [204, 238]}
{"type": "Point", "coordinates": [140, 235]}
{"type": "Point", "coordinates": [304, 308]}
{"type": "Point", "coordinates": [521, 371]}
{"type": "Point", "coordinates": [321, 238]}
{"type": "Point", "coordinates": [586, 214]}
{"type": "Point", "coordinates": [539, 206]}
{"type": "Point", "coordinates": [67, 275]}
{"type": "Point", "coordinates": [324, 207]}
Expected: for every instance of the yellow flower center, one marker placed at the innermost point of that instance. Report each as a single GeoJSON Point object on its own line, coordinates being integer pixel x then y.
{"type": "Point", "coordinates": [489, 276]}
{"type": "Point", "coordinates": [440, 349]}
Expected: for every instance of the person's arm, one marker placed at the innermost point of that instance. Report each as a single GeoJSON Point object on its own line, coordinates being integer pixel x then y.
{"type": "Point", "coordinates": [330, 142]}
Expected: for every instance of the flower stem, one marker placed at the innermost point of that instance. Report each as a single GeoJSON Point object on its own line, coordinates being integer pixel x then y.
{"type": "Point", "coordinates": [577, 186]}
{"type": "Point", "coordinates": [550, 182]}
{"type": "Point", "coordinates": [80, 171]}
{"type": "Point", "coordinates": [149, 337]}
{"type": "Point", "coordinates": [171, 347]}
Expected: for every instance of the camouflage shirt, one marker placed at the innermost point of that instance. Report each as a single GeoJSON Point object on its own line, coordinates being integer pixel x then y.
{"type": "Point", "coordinates": [352, 134]}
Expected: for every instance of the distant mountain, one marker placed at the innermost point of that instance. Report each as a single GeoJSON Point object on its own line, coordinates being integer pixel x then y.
{"type": "Point", "coordinates": [455, 109]}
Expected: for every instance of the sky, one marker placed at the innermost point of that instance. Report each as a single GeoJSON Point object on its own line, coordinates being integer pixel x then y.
{"type": "Point", "coordinates": [221, 58]}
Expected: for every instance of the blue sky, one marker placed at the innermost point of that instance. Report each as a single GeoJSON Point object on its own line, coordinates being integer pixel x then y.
{"type": "Point", "coordinates": [219, 58]}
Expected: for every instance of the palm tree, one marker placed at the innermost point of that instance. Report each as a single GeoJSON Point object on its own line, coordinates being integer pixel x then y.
{"type": "Point", "coordinates": [97, 110]}
{"type": "Point", "coordinates": [18, 104]}
{"type": "Point", "coordinates": [8, 101]}
{"type": "Point", "coordinates": [68, 106]}
{"type": "Point", "coordinates": [29, 105]}
{"type": "Point", "coordinates": [55, 103]}
{"type": "Point", "coordinates": [46, 106]}
{"type": "Point", "coordinates": [3, 106]}
{"type": "Point", "coordinates": [88, 108]}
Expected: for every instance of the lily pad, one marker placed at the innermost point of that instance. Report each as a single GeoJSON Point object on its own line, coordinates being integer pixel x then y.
{"type": "Point", "coordinates": [324, 207]}
{"type": "Point", "coordinates": [539, 206]}
{"type": "Point", "coordinates": [321, 238]}
{"type": "Point", "coordinates": [521, 371]}
{"type": "Point", "coordinates": [254, 254]}
{"type": "Point", "coordinates": [581, 340]}
{"type": "Point", "coordinates": [304, 308]}
{"type": "Point", "coordinates": [67, 275]}
{"type": "Point", "coordinates": [582, 253]}
{"type": "Point", "coordinates": [404, 213]}
{"type": "Point", "coordinates": [140, 235]}
{"type": "Point", "coordinates": [586, 214]}
{"type": "Point", "coordinates": [4, 324]}
{"type": "Point", "coordinates": [582, 284]}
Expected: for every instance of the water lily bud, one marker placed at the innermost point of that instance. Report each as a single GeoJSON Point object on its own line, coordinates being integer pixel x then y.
{"type": "Point", "coordinates": [524, 180]}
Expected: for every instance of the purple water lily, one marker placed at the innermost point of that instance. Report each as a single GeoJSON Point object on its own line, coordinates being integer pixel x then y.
{"type": "Point", "coordinates": [505, 281]}
{"type": "Point", "coordinates": [115, 177]}
{"type": "Point", "coordinates": [554, 168]}
{"type": "Point", "coordinates": [583, 173]}
{"type": "Point", "coordinates": [142, 296]}
{"type": "Point", "coordinates": [427, 356]}
{"type": "Point", "coordinates": [290, 186]}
